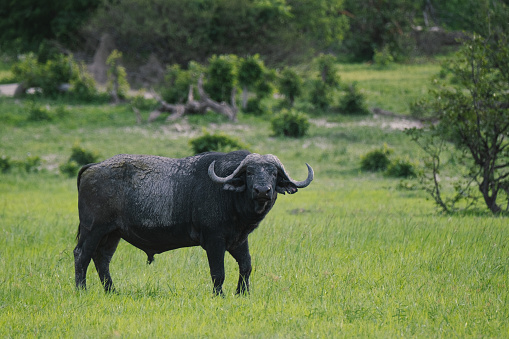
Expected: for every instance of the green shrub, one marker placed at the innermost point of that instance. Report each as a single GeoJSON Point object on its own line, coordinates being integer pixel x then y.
{"type": "Point", "coordinates": [83, 86]}
{"type": "Point", "coordinates": [290, 85]}
{"type": "Point", "coordinates": [70, 168]}
{"type": "Point", "coordinates": [32, 163]}
{"type": "Point", "coordinates": [140, 102]}
{"type": "Point", "coordinates": [176, 84]}
{"type": "Point", "coordinates": [50, 76]}
{"type": "Point", "coordinates": [117, 76]}
{"type": "Point", "coordinates": [320, 94]}
{"type": "Point", "coordinates": [383, 58]}
{"type": "Point", "coordinates": [38, 112]}
{"type": "Point", "coordinates": [353, 102]}
{"type": "Point", "coordinates": [5, 163]}
{"type": "Point", "coordinates": [290, 123]}
{"type": "Point", "coordinates": [254, 107]}
{"type": "Point", "coordinates": [401, 168]}
{"type": "Point", "coordinates": [221, 75]}
{"type": "Point", "coordinates": [79, 157]}
{"type": "Point", "coordinates": [376, 160]}
{"type": "Point", "coordinates": [82, 156]}
{"type": "Point", "coordinates": [218, 142]}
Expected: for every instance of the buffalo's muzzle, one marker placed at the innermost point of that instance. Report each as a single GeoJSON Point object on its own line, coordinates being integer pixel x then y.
{"type": "Point", "coordinates": [262, 192]}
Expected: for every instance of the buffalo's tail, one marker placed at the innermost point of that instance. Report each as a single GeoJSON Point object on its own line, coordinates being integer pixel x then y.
{"type": "Point", "coordinates": [83, 169]}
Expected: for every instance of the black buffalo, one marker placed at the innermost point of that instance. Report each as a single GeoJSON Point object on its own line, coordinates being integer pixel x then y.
{"type": "Point", "coordinates": [158, 204]}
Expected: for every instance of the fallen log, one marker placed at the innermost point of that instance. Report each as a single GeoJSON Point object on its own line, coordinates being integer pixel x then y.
{"type": "Point", "coordinates": [193, 106]}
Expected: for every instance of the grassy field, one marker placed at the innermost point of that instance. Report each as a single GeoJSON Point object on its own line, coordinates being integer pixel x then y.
{"type": "Point", "coordinates": [353, 255]}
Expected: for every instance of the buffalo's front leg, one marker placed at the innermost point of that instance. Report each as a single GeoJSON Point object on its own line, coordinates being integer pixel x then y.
{"type": "Point", "coordinates": [243, 258]}
{"type": "Point", "coordinates": [215, 255]}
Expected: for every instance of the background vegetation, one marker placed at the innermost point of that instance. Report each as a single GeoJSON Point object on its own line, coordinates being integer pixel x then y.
{"type": "Point", "coordinates": [354, 254]}
{"type": "Point", "coordinates": [362, 252]}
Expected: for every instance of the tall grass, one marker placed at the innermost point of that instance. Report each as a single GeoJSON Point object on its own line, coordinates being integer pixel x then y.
{"type": "Point", "coordinates": [352, 255]}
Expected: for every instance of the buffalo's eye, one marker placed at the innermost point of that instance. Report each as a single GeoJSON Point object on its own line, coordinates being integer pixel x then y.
{"type": "Point", "coordinates": [249, 173]}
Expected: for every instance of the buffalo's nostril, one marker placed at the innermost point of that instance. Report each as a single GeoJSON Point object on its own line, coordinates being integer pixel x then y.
{"type": "Point", "coordinates": [262, 191]}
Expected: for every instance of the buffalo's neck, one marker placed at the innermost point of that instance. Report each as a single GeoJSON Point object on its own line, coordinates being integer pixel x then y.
{"type": "Point", "coordinates": [251, 213]}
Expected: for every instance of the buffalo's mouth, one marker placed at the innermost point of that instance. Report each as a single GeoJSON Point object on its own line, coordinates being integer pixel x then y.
{"type": "Point", "coordinates": [262, 200]}
{"type": "Point", "coordinates": [261, 204]}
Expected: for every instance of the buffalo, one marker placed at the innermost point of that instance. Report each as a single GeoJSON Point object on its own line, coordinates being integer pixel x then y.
{"type": "Point", "coordinates": [213, 200]}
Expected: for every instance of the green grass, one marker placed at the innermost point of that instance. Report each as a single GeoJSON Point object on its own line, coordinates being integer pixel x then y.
{"type": "Point", "coordinates": [352, 255]}
{"type": "Point", "coordinates": [394, 88]}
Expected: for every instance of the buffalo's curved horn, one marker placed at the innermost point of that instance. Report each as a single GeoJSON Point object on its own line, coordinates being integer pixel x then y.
{"type": "Point", "coordinates": [298, 184]}
{"type": "Point", "coordinates": [222, 180]}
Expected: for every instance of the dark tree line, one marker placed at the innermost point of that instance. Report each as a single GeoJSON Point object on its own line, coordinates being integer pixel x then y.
{"type": "Point", "coordinates": [281, 31]}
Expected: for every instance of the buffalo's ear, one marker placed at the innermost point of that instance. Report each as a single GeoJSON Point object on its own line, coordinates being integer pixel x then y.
{"type": "Point", "coordinates": [284, 186]}
{"type": "Point", "coordinates": [235, 185]}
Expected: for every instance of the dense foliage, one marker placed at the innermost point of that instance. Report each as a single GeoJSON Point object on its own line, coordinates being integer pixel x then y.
{"type": "Point", "coordinates": [27, 25]}
{"type": "Point", "coordinates": [181, 31]}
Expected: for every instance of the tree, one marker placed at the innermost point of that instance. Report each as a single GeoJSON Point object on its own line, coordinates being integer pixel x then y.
{"type": "Point", "coordinates": [322, 89]}
{"type": "Point", "coordinates": [377, 24]}
{"type": "Point", "coordinates": [251, 70]}
{"type": "Point", "coordinates": [484, 17]}
{"type": "Point", "coordinates": [472, 110]}
{"type": "Point", "coordinates": [26, 24]}
{"type": "Point", "coordinates": [221, 77]}
{"type": "Point", "coordinates": [290, 84]}
{"type": "Point", "coordinates": [180, 31]}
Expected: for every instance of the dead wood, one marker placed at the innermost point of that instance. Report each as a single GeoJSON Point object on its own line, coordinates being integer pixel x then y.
{"type": "Point", "coordinates": [193, 106]}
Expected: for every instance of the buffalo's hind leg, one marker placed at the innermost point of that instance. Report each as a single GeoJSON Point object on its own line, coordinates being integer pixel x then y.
{"type": "Point", "coordinates": [82, 256]}
{"type": "Point", "coordinates": [102, 257]}
{"type": "Point", "coordinates": [88, 241]}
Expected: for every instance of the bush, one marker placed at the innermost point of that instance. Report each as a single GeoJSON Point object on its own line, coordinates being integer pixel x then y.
{"type": "Point", "coordinates": [320, 94]}
{"type": "Point", "coordinates": [376, 160]}
{"type": "Point", "coordinates": [290, 85]}
{"type": "Point", "coordinates": [140, 102]}
{"type": "Point", "coordinates": [79, 157]}
{"type": "Point", "coordinates": [221, 75]}
{"type": "Point", "coordinates": [383, 58]}
{"type": "Point", "coordinates": [401, 168]}
{"type": "Point", "coordinates": [82, 156]}
{"type": "Point", "coordinates": [38, 113]}
{"type": "Point", "coordinates": [50, 76]}
{"type": "Point", "coordinates": [218, 142]}
{"type": "Point", "coordinates": [5, 163]}
{"type": "Point", "coordinates": [353, 102]}
{"type": "Point", "coordinates": [117, 76]}
{"type": "Point", "coordinates": [70, 168]}
{"type": "Point", "coordinates": [290, 123]}
{"type": "Point", "coordinates": [31, 163]}
{"type": "Point", "coordinates": [176, 84]}
{"type": "Point", "coordinates": [83, 86]}
{"type": "Point", "coordinates": [254, 107]}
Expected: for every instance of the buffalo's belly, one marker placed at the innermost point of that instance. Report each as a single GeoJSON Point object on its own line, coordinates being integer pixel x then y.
{"type": "Point", "coordinates": [158, 239]}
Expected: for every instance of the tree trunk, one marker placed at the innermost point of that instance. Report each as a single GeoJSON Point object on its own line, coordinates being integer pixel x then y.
{"type": "Point", "coordinates": [244, 97]}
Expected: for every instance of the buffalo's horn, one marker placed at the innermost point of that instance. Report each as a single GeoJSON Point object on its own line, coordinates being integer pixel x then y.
{"type": "Point", "coordinates": [298, 184]}
{"type": "Point", "coordinates": [222, 180]}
